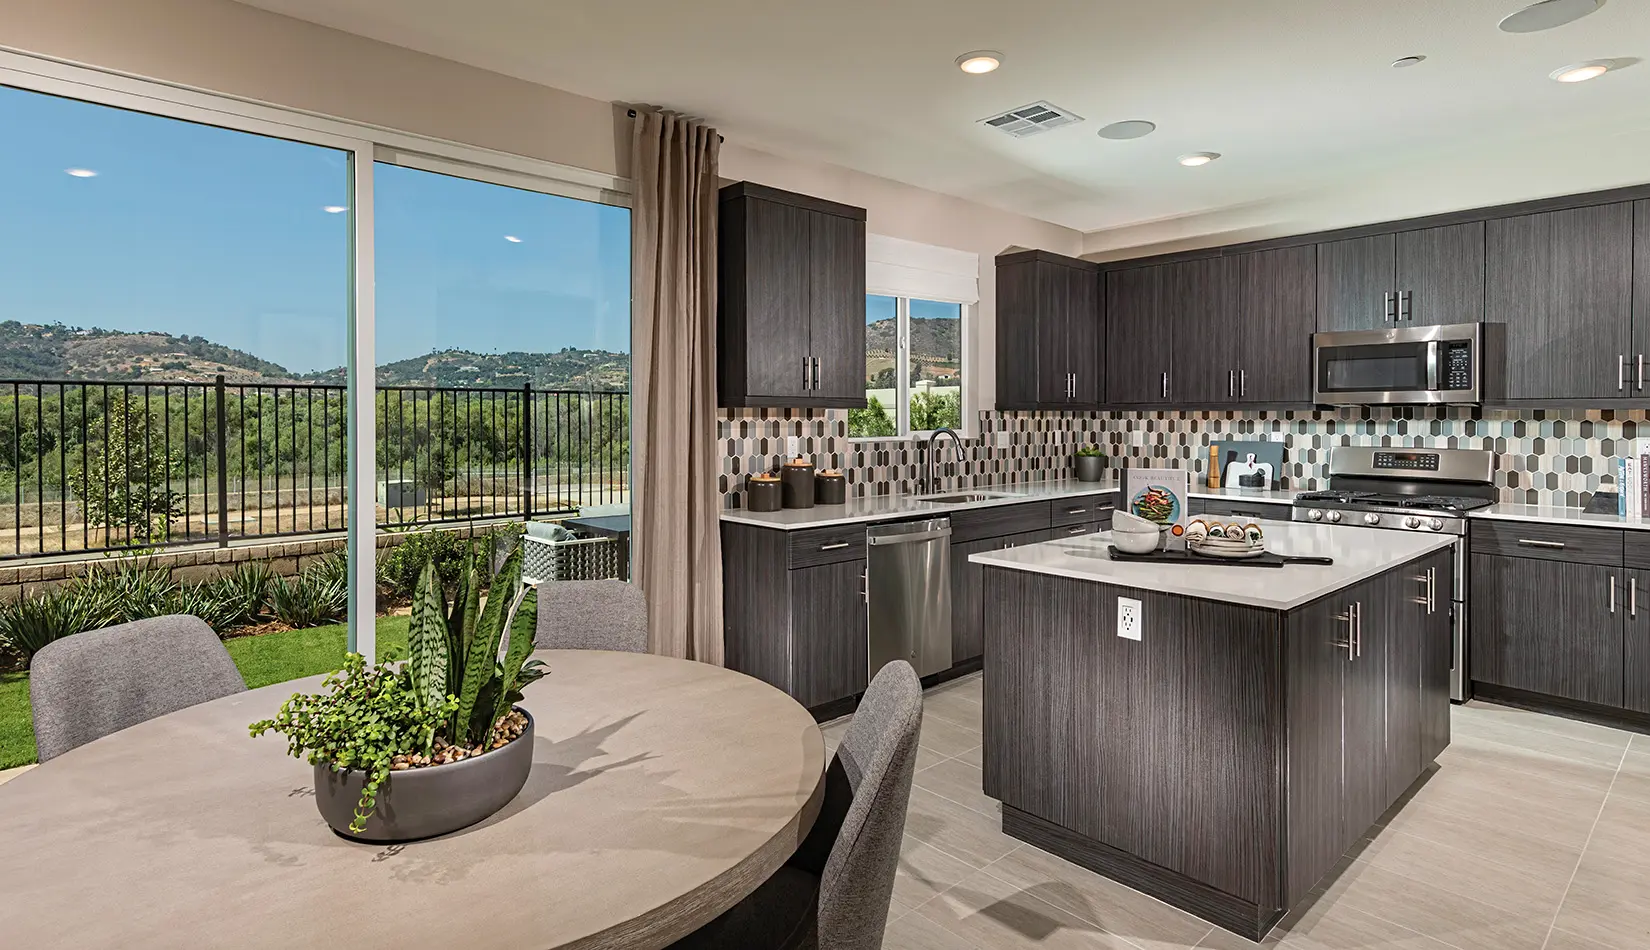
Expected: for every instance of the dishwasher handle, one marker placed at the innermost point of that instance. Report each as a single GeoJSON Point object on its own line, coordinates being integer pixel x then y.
{"type": "Point", "coordinates": [912, 532]}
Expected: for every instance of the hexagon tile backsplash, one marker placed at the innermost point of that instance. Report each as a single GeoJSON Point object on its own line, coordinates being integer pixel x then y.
{"type": "Point", "coordinates": [1543, 457]}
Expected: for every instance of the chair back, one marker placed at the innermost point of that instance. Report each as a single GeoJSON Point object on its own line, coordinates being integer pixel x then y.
{"type": "Point", "coordinates": [874, 765]}
{"type": "Point", "coordinates": [89, 685]}
{"type": "Point", "coordinates": [591, 615]}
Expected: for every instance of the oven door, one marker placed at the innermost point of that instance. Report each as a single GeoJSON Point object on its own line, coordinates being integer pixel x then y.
{"type": "Point", "coordinates": [1400, 366]}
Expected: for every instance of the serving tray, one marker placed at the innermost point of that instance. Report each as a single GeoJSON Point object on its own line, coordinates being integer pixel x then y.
{"type": "Point", "coordinates": [1268, 559]}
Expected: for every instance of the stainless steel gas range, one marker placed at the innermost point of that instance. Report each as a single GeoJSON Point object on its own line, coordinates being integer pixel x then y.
{"type": "Point", "coordinates": [1409, 490]}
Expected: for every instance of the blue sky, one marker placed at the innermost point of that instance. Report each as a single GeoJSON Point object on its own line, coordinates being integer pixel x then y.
{"type": "Point", "coordinates": [190, 229]}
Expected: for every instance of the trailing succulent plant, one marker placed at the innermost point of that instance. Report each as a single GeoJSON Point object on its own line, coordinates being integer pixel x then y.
{"type": "Point", "coordinates": [452, 692]}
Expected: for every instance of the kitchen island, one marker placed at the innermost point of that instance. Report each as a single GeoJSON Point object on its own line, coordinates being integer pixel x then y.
{"type": "Point", "coordinates": [1225, 747]}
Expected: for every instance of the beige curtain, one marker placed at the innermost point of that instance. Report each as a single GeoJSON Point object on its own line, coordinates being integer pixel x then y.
{"type": "Point", "coordinates": [677, 554]}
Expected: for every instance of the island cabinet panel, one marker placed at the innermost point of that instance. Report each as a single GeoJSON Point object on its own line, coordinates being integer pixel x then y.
{"type": "Point", "coordinates": [1166, 748]}
{"type": "Point", "coordinates": [1407, 618]}
{"type": "Point", "coordinates": [1549, 627]}
{"type": "Point", "coordinates": [1438, 655]}
{"type": "Point", "coordinates": [1364, 702]}
{"type": "Point", "coordinates": [1317, 647]}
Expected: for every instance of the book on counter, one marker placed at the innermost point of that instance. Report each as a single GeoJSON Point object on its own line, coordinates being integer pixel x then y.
{"type": "Point", "coordinates": [1157, 494]}
{"type": "Point", "coordinates": [1632, 483]}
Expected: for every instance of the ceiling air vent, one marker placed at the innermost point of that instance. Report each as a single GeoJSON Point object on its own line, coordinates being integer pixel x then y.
{"type": "Point", "coordinates": [1032, 119]}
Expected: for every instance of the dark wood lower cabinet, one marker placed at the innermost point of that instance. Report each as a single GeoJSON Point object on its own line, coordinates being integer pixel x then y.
{"type": "Point", "coordinates": [1438, 652]}
{"type": "Point", "coordinates": [1549, 627]}
{"type": "Point", "coordinates": [1226, 760]}
{"type": "Point", "coordinates": [828, 632]}
{"type": "Point", "coordinates": [968, 585]}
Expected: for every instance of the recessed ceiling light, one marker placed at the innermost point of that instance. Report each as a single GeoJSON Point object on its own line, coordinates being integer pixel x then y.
{"type": "Point", "coordinates": [1579, 72]}
{"type": "Point", "coordinates": [1127, 129]}
{"type": "Point", "coordinates": [335, 209]}
{"type": "Point", "coordinates": [980, 61]}
{"type": "Point", "coordinates": [1194, 159]}
{"type": "Point", "coordinates": [81, 172]}
{"type": "Point", "coordinates": [512, 239]}
{"type": "Point", "coordinates": [1547, 14]}
{"type": "Point", "coordinates": [1404, 62]}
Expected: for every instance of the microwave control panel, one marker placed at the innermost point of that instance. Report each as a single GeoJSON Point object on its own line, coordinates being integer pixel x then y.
{"type": "Point", "coordinates": [1457, 358]}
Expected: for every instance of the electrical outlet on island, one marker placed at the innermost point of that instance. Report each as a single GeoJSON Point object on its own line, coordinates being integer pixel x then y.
{"type": "Point", "coordinates": [1128, 618]}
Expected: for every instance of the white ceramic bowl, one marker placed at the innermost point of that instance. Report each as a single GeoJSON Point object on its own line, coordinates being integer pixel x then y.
{"type": "Point", "coordinates": [1135, 542]}
{"type": "Point", "coordinates": [1124, 521]}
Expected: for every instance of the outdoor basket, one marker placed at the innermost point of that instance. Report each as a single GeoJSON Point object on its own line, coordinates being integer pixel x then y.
{"type": "Point", "coordinates": [552, 553]}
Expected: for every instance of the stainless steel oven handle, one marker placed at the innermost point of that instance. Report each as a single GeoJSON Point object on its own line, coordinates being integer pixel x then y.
{"type": "Point", "coordinates": [1432, 366]}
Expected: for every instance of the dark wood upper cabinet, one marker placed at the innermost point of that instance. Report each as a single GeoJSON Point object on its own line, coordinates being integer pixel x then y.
{"type": "Point", "coordinates": [791, 300]}
{"type": "Point", "coordinates": [1199, 301]}
{"type": "Point", "coordinates": [1139, 337]}
{"type": "Point", "coordinates": [1562, 282]}
{"type": "Point", "coordinates": [1440, 275]}
{"type": "Point", "coordinates": [1355, 283]}
{"type": "Point", "coordinates": [1049, 340]}
{"type": "Point", "coordinates": [836, 324]}
{"type": "Point", "coordinates": [1424, 277]}
{"type": "Point", "coordinates": [1276, 307]}
{"type": "Point", "coordinates": [1641, 299]}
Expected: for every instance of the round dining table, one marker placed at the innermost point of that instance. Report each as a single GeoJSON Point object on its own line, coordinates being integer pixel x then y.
{"type": "Point", "coordinates": [662, 792]}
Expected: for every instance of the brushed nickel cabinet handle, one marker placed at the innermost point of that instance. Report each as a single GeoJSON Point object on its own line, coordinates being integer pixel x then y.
{"type": "Point", "coordinates": [1358, 625]}
{"type": "Point", "coordinates": [804, 372]}
{"type": "Point", "coordinates": [1621, 372]}
{"type": "Point", "coordinates": [865, 586]}
{"type": "Point", "coordinates": [1388, 311]}
{"type": "Point", "coordinates": [1406, 305]}
{"type": "Point", "coordinates": [1612, 593]}
{"type": "Point", "coordinates": [1641, 371]}
{"type": "Point", "coordinates": [1231, 383]}
{"type": "Point", "coordinates": [816, 372]}
{"type": "Point", "coordinates": [1633, 597]}
{"type": "Point", "coordinates": [1351, 638]}
{"type": "Point", "coordinates": [839, 545]}
{"type": "Point", "coordinates": [1165, 385]}
{"type": "Point", "coordinates": [1079, 529]}
{"type": "Point", "coordinates": [1530, 543]}
{"type": "Point", "coordinates": [1243, 382]}
{"type": "Point", "coordinates": [1075, 511]}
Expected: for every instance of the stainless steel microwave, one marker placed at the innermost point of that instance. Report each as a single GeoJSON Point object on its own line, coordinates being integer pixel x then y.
{"type": "Point", "coordinates": [1462, 363]}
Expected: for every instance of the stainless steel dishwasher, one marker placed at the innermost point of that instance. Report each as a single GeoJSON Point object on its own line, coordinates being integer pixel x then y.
{"type": "Point", "coordinates": [908, 594]}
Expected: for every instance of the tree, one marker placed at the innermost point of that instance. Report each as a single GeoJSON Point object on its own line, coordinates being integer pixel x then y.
{"type": "Point", "coordinates": [126, 486]}
{"type": "Point", "coordinates": [932, 410]}
{"type": "Point", "coordinates": [871, 422]}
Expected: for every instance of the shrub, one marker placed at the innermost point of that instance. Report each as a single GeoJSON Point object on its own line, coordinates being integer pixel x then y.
{"type": "Point", "coordinates": [207, 601]}
{"type": "Point", "coordinates": [246, 590]}
{"type": "Point", "coordinates": [132, 590]}
{"type": "Point", "coordinates": [400, 568]}
{"type": "Point", "coordinates": [32, 622]}
{"type": "Point", "coordinates": [308, 600]}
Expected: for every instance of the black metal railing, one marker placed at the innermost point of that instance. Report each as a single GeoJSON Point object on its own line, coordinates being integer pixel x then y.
{"type": "Point", "coordinates": [100, 466]}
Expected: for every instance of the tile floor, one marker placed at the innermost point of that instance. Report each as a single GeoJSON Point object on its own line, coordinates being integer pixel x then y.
{"type": "Point", "coordinates": [1533, 833]}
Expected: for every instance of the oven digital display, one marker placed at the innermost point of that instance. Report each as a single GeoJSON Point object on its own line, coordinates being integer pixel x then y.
{"type": "Point", "coordinates": [1408, 461]}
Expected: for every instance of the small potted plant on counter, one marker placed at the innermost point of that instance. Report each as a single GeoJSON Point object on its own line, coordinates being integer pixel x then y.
{"type": "Point", "coordinates": [421, 748]}
{"type": "Point", "coordinates": [1090, 464]}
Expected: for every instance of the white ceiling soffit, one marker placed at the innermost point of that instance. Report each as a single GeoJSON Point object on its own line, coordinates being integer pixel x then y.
{"type": "Point", "coordinates": [1314, 127]}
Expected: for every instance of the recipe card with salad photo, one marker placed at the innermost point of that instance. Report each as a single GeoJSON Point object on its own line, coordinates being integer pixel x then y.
{"type": "Point", "coordinates": [1157, 494]}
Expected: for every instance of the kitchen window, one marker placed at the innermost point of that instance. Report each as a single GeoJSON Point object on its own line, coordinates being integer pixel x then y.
{"type": "Point", "coordinates": [913, 367]}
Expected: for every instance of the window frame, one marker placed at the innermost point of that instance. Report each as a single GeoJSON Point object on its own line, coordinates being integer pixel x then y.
{"type": "Point", "coordinates": [969, 423]}
{"type": "Point", "coordinates": [364, 144]}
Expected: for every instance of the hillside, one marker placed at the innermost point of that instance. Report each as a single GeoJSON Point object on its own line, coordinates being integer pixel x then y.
{"type": "Point", "coordinates": [934, 340]}
{"type": "Point", "coordinates": [32, 351]}
{"type": "Point", "coordinates": [567, 368]}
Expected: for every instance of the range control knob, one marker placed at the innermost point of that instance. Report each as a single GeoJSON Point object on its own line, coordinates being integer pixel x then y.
{"type": "Point", "coordinates": [1372, 518]}
{"type": "Point", "coordinates": [1335, 516]}
{"type": "Point", "coordinates": [1412, 522]}
{"type": "Point", "coordinates": [1435, 524]}
{"type": "Point", "coordinates": [1314, 515]}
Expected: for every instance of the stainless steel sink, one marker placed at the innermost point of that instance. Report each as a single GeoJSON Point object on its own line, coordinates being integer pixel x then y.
{"type": "Point", "coordinates": [964, 498]}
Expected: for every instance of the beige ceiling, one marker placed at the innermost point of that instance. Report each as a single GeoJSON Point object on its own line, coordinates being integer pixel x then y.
{"type": "Point", "coordinates": [1316, 129]}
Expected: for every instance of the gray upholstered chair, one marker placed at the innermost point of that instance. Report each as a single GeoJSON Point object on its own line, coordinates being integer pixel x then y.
{"type": "Point", "coordinates": [833, 893]}
{"type": "Point", "coordinates": [91, 684]}
{"type": "Point", "coordinates": [591, 615]}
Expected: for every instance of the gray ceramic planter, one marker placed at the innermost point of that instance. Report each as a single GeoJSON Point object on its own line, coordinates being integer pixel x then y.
{"type": "Point", "coordinates": [423, 803]}
{"type": "Point", "coordinates": [1089, 467]}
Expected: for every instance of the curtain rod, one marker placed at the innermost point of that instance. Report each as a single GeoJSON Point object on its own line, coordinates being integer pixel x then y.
{"type": "Point", "coordinates": [719, 136]}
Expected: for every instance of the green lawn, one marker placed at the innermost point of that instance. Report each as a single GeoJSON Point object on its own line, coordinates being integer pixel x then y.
{"type": "Point", "coordinates": [271, 658]}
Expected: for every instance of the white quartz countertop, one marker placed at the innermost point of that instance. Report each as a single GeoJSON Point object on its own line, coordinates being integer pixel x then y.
{"type": "Point", "coordinates": [1570, 516]}
{"type": "Point", "coordinates": [886, 507]}
{"type": "Point", "coordinates": [1359, 553]}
